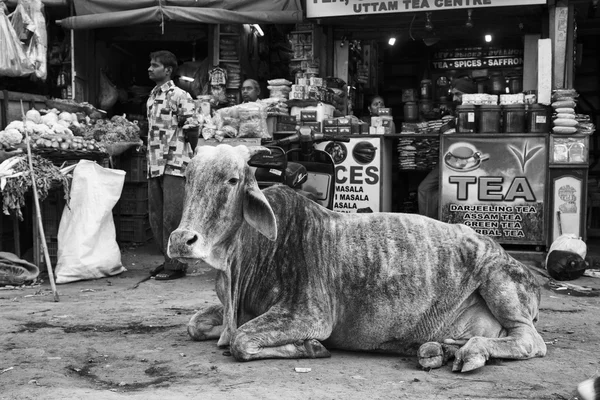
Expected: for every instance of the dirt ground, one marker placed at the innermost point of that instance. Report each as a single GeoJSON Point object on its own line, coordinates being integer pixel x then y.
{"type": "Point", "coordinates": [103, 340]}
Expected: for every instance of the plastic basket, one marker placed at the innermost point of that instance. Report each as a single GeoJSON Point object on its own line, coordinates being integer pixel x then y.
{"type": "Point", "coordinates": [134, 199]}
{"type": "Point", "coordinates": [134, 228]}
{"type": "Point", "coordinates": [52, 246]}
{"type": "Point", "coordinates": [51, 209]}
{"type": "Point", "coordinates": [135, 166]}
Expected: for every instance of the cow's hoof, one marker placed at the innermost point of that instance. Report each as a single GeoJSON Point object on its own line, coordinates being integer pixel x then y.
{"type": "Point", "coordinates": [472, 363]}
{"type": "Point", "coordinates": [314, 349]}
{"type": "Point", "coordinates": [431, 355]}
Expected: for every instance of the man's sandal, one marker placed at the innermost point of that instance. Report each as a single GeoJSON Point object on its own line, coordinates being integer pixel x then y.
{"type": "Point", "coordinates": [168, 275]}
{"type": "Point", "coordinates": [157, 270]}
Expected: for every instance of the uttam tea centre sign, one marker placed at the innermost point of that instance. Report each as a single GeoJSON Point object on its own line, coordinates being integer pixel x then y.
{"type": "Point", "coordinates": [477, 57]}
{"type": "Point", "coordinates": [338, 8]}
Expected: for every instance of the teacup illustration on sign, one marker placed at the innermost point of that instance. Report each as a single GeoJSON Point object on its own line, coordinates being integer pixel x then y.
{"type": "Point", "coordinates": [464, 157]}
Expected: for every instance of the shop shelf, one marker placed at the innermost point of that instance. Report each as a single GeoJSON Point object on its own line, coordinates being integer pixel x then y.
{"type": "Point", "coordinates": [134, 199]}
{"type": "Point", "coordinates": [134, 228]}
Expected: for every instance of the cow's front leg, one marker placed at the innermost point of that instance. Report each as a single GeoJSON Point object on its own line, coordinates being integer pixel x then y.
{"type": "Point", "coordinates": [280, 335]}
{"type": "Point", "coordinates": [206, 324]}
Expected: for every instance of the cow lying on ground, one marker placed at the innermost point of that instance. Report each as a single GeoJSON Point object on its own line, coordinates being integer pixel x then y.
{"type": "Point", "coordinates": [296, 277]}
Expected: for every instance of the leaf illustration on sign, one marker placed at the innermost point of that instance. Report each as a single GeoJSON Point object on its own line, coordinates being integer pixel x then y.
{"type": "Point", "coordinates": [524, 155]}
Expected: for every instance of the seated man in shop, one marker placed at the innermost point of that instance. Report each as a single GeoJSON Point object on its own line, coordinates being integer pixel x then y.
{"type": "Point", "coordinates": [429, 188]}
{"type": "Point", "coordinates": [250, 90]}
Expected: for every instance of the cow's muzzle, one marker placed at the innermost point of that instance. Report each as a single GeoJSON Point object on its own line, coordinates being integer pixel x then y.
{"type": "Point", "coordinates": [184, 244]}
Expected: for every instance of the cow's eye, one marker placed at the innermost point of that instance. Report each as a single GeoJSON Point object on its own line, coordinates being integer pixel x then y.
{"type": "Point", "coordinates": [233, 181]}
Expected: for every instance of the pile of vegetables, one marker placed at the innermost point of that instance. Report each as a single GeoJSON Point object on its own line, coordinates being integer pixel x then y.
{"type": "Point", "coordinates": [115, 130]}
{"type": "Point", "coordinates": [54, 129]}
{"type": "Point", "coordinates": [47, 176]}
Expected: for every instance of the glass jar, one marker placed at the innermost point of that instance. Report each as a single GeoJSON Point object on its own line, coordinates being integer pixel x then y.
{"type": "Point", "coordinates": [425, 106]}
{"type": "Point", "coordinates": [497, 84]}
{"type": "Point", "coordinates": [515, 84]}
{"type": "Point", "coordinates": [538, 119]}
{"type": "Point", "coordinates": [426, 89]}
{"type": "Point", "coordinates": [411, 111]}
{"type": "Point", "coordinates": [514, 118]}
{"type": "Point", "coordinates": [465, 114]}
{"type": "Point", "coordinates": [489, 119]}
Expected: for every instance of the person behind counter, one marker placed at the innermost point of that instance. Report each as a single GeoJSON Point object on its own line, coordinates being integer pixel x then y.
{"type": "Point", "coordinates": [168, 157]}
{"type": "Point", "coordinates": [250, 90]}
{"type": "Point", "coordinates": [429, 189]}
{"type": "Point", "coordinates": [375, 103]}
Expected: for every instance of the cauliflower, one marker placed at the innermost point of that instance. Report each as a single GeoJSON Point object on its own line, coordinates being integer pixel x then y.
{"type": "Point", "coordinates": [34, 116]}
{"type": "Point", "coordinates": [10, 137]}
{"type": "Point", "coordinates": [18, 125]}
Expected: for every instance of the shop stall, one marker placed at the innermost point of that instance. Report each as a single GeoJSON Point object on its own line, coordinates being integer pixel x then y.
{"type": "Point", "coordinates": [506, 181]}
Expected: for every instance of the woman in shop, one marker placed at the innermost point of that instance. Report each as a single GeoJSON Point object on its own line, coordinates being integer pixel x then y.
{"type": "Point", "coordinates": [375, 103]}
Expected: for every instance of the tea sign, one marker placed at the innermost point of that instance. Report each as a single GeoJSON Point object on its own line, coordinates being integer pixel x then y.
{"type": "Point", "coordinates": [496, 185]}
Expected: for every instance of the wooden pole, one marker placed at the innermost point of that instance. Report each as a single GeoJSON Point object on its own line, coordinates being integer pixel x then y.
{"type": "Point", "coordinates": [38, 214]}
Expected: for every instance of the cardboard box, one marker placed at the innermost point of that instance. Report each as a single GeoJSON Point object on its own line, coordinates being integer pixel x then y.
{"type": "Point", "coordinates": [314, 81]}
{"type": "Point", "coordinates": [285, 127]}
{"type": "Point", "coordinates": [315, 125]}
{"type": "Point", "coordinates": [287, 119]}
{"type": "Point", "coordinates": [308, 116]}
{"type": "Point", "coordinates": [330, 130]}
{"type": "Point", "coordinates": [330, 122]}
{"type": "Point", "coordinates": [298, 88]}
{"type": "Point", "coordinates": [344, 130]}
{"type": "Point", "coordinates": [297, 96]}
{"type": "Point", "coordinates": [343, 121]}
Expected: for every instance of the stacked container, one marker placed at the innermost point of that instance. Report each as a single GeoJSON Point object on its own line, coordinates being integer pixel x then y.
{"type": "Point", "coordinates": [131, 212]}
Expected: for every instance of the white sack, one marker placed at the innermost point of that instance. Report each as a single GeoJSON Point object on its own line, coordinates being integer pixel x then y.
{"type": "Point", "coordinates": [87, 245]}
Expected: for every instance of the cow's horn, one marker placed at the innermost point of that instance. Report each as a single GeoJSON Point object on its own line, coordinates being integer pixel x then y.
{"type": "Point", "coordinates": [253, 150]}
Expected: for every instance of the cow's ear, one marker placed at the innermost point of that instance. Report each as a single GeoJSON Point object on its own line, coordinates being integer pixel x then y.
{"type": "Point", "coordinates": [258, 212]}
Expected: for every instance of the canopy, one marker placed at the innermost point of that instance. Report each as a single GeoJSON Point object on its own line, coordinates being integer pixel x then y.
{"type": "Point", "coordinates": [92, 14]}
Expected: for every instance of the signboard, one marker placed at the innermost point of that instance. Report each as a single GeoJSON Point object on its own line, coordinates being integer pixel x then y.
{"type": "Point", "coordinates": [568, 196]}
{"type": "Point", "coordinates": [477, 57]}
{"type": "Point", "coordinates": [496, 185]}
{"type": "Point", "coordinates": [357, 174]}
{"type": "Point", "coordinates": [337, 8]}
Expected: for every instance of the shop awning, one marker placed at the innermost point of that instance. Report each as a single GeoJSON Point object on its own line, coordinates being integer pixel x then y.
{"type": "Point", "coordinates": [92, 14]}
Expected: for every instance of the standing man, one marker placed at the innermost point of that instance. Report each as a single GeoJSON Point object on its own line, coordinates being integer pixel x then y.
{"type": "Point", "coordinates": [250, 90]}
{"type": "Point", "coordinates": [168, 157]}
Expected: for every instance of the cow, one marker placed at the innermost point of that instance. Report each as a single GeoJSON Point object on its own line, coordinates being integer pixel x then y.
{"type": "Point", "coordinates": [295, 278]}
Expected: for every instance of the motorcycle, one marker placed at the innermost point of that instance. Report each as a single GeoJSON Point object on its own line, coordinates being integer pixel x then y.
{"type": "Point", "coordinates": [304, 168]}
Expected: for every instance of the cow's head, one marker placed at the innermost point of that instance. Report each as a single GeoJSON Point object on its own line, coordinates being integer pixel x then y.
{"type": "Point", "coordinates": [220, 194]}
